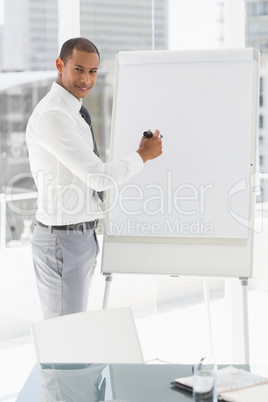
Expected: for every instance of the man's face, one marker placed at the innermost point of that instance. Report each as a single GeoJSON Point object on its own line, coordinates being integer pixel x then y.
{"type": "Point", "coordinates": [79, 74]}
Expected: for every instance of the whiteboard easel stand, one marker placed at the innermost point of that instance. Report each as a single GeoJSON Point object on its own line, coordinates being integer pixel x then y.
{"type": "Point", "coordinates": [244, 284]}
{"type": "Point", "coordinates": [207, 303]}
{"type": "Point", "coordinates": [237, 319]}
{"type": "Point", "coordinates": [108, 280]}
{"type": "Point", "coordinates": [233, 257]}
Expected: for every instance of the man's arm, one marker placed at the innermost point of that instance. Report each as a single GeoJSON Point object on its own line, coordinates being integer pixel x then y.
{"type": "Point", "coordinates": [58, 135]}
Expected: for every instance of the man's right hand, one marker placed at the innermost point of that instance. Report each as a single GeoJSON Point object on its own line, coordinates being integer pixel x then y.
{"type": "Point", "coordinates": [150, 148]}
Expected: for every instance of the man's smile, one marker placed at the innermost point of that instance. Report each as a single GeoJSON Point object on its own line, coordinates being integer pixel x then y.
{"type": "Point", "coordinates": [83, 89]}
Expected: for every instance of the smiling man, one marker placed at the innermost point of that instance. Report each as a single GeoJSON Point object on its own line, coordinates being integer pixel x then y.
{"type": "Point", "coordinates": [69, 176]}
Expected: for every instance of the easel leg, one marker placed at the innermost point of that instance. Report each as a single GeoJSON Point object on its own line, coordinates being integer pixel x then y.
{"type": "Point", "coordinates": [244, 283]}
{"type": "Point", "coordinates": [108, 280]}
{"type": "Point", "coordinates": [207, 302]}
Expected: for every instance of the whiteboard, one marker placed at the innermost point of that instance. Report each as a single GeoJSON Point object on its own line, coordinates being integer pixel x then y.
{"type": "Point", "coordinates": [190, 211]}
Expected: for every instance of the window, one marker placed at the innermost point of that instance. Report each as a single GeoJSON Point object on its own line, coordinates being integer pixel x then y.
{"type": "Point", "coordinates": [263, 8]}
{"type": "Point", "coordinates": [252, 9]}
{"type": "Point", "coordinates": [260, 121]}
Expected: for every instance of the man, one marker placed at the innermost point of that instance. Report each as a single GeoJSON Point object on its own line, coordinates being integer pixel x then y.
{"type": "Point", "coordinates": [68, 174]}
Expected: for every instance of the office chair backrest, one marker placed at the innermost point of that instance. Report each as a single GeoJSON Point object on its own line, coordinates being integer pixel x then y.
{"type": "Point", "coordinates": [104, 336]}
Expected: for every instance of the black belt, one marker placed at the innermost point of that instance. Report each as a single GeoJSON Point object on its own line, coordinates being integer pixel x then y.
{"type": "Point", "coordinates": [77, 226]}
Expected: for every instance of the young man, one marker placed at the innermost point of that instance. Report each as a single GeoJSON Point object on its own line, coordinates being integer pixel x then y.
{"type": "Point", "coordinates": [68, 174]}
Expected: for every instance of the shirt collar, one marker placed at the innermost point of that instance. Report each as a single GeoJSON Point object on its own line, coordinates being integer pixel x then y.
{"type": "Point", "coordinates": [66, 96]}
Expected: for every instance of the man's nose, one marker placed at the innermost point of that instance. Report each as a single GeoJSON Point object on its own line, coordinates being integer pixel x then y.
{"type": "Point", "coordinates": [86, 78]}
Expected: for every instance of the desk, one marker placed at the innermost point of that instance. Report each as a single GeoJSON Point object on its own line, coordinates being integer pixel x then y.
{"type": "Point", "coordinates": [106, 382]}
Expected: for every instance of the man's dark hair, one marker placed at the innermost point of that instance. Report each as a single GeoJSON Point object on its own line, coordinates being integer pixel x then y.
{"type": "Point", "coordinates": [81, 44]}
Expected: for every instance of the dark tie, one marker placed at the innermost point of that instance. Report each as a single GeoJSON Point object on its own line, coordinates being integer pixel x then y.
{"type": "Point", "coordinates": [84, 113]}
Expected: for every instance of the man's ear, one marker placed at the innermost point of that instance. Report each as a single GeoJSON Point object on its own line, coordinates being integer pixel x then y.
{"type": "Point", "coordinates": [59, 65]}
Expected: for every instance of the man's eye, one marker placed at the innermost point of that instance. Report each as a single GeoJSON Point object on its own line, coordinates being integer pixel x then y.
{"type": "Point", "coordinates": [78, 69]}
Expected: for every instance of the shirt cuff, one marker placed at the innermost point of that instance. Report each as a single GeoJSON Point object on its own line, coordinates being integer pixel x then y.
{"type": "Point", "coordinates": [135, 162]}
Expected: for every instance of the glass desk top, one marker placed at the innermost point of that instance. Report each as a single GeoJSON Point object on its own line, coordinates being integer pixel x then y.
{"type": "Point", "coordinates": [105, 382]}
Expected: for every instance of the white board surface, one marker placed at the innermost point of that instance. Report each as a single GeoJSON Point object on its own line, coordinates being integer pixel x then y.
{"type": "Point", "coordinates": [196, 199]}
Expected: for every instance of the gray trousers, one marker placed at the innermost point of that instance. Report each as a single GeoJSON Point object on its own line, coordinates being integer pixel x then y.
{"type": "Point", "coordinates": [64, 263]}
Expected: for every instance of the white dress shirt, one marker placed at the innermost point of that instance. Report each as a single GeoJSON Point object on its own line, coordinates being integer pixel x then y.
{"type": "Point", "coordinates": [65, 169]}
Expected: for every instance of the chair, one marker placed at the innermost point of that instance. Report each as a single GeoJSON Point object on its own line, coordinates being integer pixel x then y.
{"type": "Point", "coordinates": [104, 336]}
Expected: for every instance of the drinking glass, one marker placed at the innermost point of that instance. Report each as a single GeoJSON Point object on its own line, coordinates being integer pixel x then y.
{"type": "Point", "coordinates": [204, 381]}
